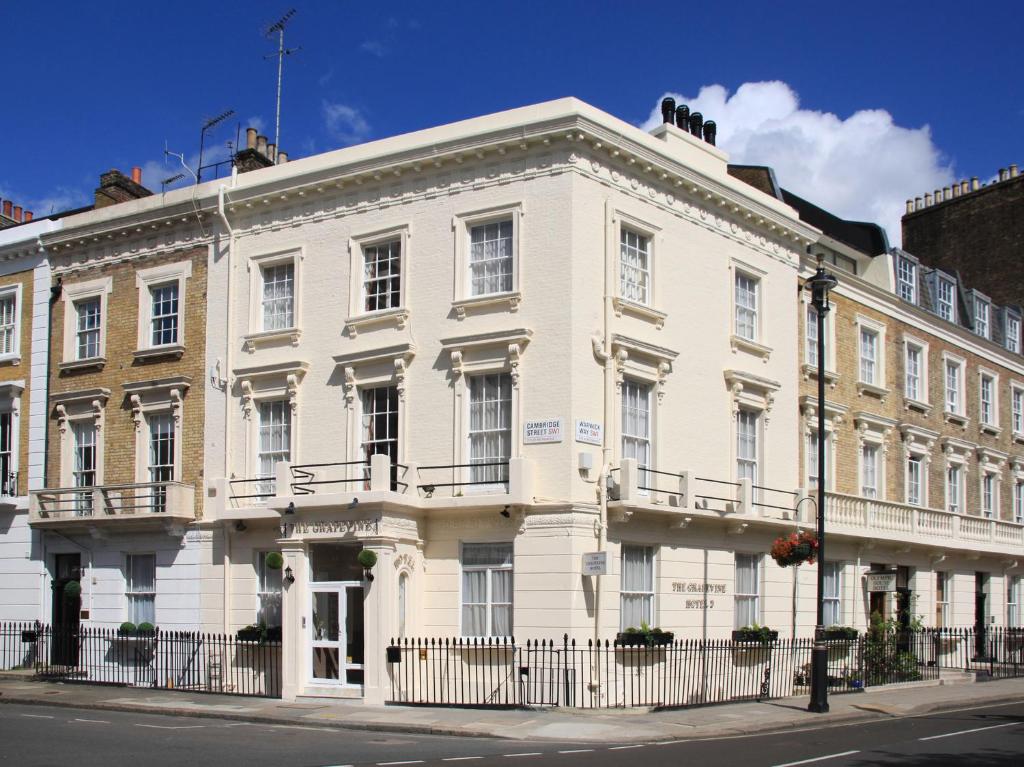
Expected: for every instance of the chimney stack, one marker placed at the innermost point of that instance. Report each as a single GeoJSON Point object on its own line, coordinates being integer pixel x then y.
{"type": "Point", "coordinates": [696, 124]}
{"type": "Point", "coordinates": [137, 174]}
{"type": "Point", "coordinates": [255, 154]}
{"type": "Point", "coordinates": [668, 108]}
{"type": "Point", "coordinates": [17, 213]}
{"type": "Point", "coordinates": [683, 117]}
{"type": "Point", "coordinates": [250, 138]}
{"type": "Point", "coordinates": [116, 187]}
{"type": "Point", "coordinates": [261, 145]}
{"type": "Point", "coordinates": [282, 158]}
{"type": "Point", "coordinates": [28, 216]}
{"type": "Point", "coordinates": [710, 129]}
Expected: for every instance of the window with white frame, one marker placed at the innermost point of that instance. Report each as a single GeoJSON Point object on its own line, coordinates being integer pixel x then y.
{"type": "Point", "coordinates": [140, 588]}
{"type": "Point", "coordinates": [491, 258]}
{"type": "Point", "coordinates": [379, 433]}
{"type": "Point", "coordinates": [490, 426]}
{"type": "Point", "coordinates": [748, 424]}
{"type": "Point", "coordinates": [84, 463]}
{"type": "Point", "coordinates": [268, 592]}
{"type": "Point", "coordinates": [382, 276]}
{"type": "Point", "coordinates": [634, 266]}
{"type": "Point", "coordinates": [748, 590]}
{"type": "Point", "coordinates": [275, 441]}
{"type": "Point", "coordinates": [869, 356]}
{"type": "Point", "coordinates": [811, 336]}
{"type": "Point", "coordinates": [487, 589]}
{"type": "Point", "coordinates": [636, 424]}
{"type": "Point", "coordinates": [278, 300]}
{"type": "Point", "coordinates": [982, 310]}
{"type": "Point", "coordinates": [9, 322]}
{"type": "Point", "coordinates": [636, 591]}
{"type": "Point", "coordinates": [88, 327]}
{"type": "Point", "coordinates": [945, 299]}
{"type": "Point", "coordinates": [915, 480]}
{"type": "Point", "coordinates": [833, 593]}
{"type": "Point", "coordinates": [1018, 502]}
{"type": "Point", "coordinates": [1013, 333]}
{"type": "Point", "coordinates": [1013, 596]}
{"type": "Point", "coordinates": [161, 456]}
{"type": "Point", "coordinates": [812, 460]}
{"type": "Point", "coordinates": [989, 494]}
{"type": "Point", "coordinates": [869, 470]}
{"type": "Point", "coordinates": [906, 279]}
{"type": "Point", "coordinates": [8, 478]}
{"type": "Point", "coordinates": [161, 316]}
{"type": "Point", "coordinates": [988, 405]}
{"type": "Point", "coordinates": [1017, 399]}
{"type": "Point", "coordinates": [954, 386]}
{"type": "Point", "coordinates": [913, 366]}
{"type": "Point", "coordinates": [403, 602]}
{"type": "Point", "coordinates": [943, 591]}
{"type": "Point", "coordinates": [164, 314]}
{"type": "Point", "coordinates": [746, 306]}
{"type": "Point", "coordinates": [955, 488]}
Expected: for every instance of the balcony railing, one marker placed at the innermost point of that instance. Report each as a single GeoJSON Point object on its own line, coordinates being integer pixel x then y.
{"type": "Point", "coordinates": [870, 517]}
{"type": "Point", "coordinates": [76, 505]}
{"type": "Point", "coordinates": [9, 484]}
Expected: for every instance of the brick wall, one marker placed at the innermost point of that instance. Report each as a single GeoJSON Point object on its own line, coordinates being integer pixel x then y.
{"type": "Point", "coordinates": [19, 371]}
{"type": "Point", "coordinates": [121, 328]}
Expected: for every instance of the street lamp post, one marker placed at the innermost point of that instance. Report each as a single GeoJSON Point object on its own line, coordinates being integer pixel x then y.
{"type": "Point", "coordinates": [820, 284]}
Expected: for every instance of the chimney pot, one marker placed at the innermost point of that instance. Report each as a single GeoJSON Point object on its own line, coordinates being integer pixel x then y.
{"type": "Point", "coordinates": [668, 108]}
{"type": "Point", "coordinates": [927, 199]}
{"type": "Point", "coordinates": [137, 174]}
{"type": "Point", "coordinates": [710, 129]}
{"type": "Point", "coordinates": [1013, 170]}
{"type": "Point", "coordinates": [7, 208]}
{"type": "Point", "coordinates": [683, 117]}
{"type": "Point", "coordinates": [17, 213]}
{"type": "Point", "coordinates": [946, 193]}
{"type": "Point", "coordinates": [282, 158]}
{"type": "Point", "coordinates": [965, 187]}
{"type": "Point", "coordinates": [250, 138]}
{"type": "Point", "coordinates": [261, 145]}
{"type": "Point", "coordinates": [956, 189]}
{"type": "Point", "coordinates": [917, 203]}
{"type": "Point", "coordinates": [28, 216]}
{"type": "Point", "coordinates": [975, 186]}
{"type": "Point", "coordinates": [696, 124]}
{"type": "Point", "coordinates": [910, 206]}
{"type": "Point", "coordinates": [272, 152]}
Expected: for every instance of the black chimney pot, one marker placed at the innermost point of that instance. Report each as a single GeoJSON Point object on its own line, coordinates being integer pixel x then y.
{"type": "Point", "coordinates": [709, 131]}
{"type": "Point", "coordinates": [696, 124]}
{"type": "Point", "coordinates": [683, 117]}
{"type": "Point", "coordinates": [668, 106]}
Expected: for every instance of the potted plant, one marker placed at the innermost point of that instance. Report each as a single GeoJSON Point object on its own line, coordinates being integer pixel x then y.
{"type": "Point", "coordinates": [145, 629]}
{"type": "Point", "coordinates": [795, 549]}
{"type": "Point", "coordinates": [127, 629]}
{"type": "Point", "coordinates": [367, 559]}
{"type": "Point", "coordinates": [755, 633]}
{"type": "Point", "coordinates": [645, 636]}
{"type": "Point", "coordinates": [840, 634]}
{"type": "Point", "coordinates": [274, 560]}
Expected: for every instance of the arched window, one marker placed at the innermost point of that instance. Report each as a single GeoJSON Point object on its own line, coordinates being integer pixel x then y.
{"type": "Point", "coordinates": [403, 587]}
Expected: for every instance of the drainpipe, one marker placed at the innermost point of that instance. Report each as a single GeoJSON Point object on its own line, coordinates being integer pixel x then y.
{"type": "Point", "coordinates": [227, 390]}
{"type": "Point", "coordinates": [55, 293]}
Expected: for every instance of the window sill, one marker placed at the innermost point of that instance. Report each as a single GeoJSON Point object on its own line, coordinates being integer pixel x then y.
{"type": "Point", "coordinates": [270, 337]}
{"type": "Point", "coordinates": [1018, 438]}
{"type": "Point", "coordinates": [960, 420]}
{"type": "Point", "coordinates": [989, 428]}
{"type": "Point", "coordinates": [463, 304]}
{"type": "Point", "coordinates": [869, 388]}
{"type": "Point", "coordinates": [399, 317]}
{"type": "Point", "coordinates": [10, 359]}
{"type": "Point", "coordinates": [91, 363]}
{"type": "Point", "coordinates": [158, 352]}
{"type": "Point", "coordinates": [625, 306]}
{"type": "Point", "coordinates": [811, 371]}
{"type": "Point", "coordinates": [913, 404]}
{"type": "Point", "coordinates": [751, 347]}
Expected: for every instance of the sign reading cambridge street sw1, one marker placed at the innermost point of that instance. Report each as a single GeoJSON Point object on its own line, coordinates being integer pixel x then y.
{"type": "Point", "coordinates": [542, 430]}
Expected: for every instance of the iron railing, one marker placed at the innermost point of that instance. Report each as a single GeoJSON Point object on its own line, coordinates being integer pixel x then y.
{"type": "Point", "coordinates": [107, 501]}
{"type": "Point", "coordinates": [9, 484]}
{"type": "Point", "coordinates": [480, 473]}
{"type": "Point", "coordinates": [178, 660]}
{"type": "Point", "coordinates": [680, 673]}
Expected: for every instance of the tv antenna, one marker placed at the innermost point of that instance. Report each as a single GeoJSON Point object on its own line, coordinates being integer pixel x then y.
{"type": "Point", "coordinates": [170, 180]}
{"type": "Point", "coordinates": [208, 124]}
{"type": "Point", "coordinates": [278, 26]}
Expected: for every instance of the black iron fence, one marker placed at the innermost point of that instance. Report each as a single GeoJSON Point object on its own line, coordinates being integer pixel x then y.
{"type": "Point", "coordinates": [175, 660]}
{"type": "Point", "coordinates": [681, 673]}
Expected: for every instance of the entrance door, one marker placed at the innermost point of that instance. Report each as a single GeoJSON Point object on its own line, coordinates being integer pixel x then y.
{"type": "Point", "coordinates": [65, 612]}
{"type": "Point", "coordinates": [336, 634]}
{"type": "Point", "coordinates": [980, 615]}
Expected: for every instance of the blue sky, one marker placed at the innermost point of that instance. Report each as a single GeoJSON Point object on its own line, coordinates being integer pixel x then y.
{"type": "Point", "coordinates": [859, 105]}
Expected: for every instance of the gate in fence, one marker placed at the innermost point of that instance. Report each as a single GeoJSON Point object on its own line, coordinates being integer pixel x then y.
{"type": "Point", "coordinates": [174, 660]}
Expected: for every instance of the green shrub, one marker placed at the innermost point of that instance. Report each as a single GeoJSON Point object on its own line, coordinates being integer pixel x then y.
{"type": "Point", "coordinates": [841, 632]}
{"type": "Point", "coordinates": [755, 633]}
{"type": "Point", "coordinates": [127, 629]}
{"type": "Point", "coordinates": [367, 558]}
{"type": "Point", "coordinates": [145, 629]}
{"type": "Point", "coordinates": [274, 560]}
{"type": "Point", "coordinates": [72, 589]}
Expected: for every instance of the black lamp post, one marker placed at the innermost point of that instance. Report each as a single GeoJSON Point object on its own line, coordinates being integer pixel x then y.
{"type": "Point", "coordinates": [820, 284]}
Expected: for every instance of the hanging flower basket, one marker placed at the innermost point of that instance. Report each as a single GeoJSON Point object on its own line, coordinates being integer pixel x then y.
{"type": "Point", "coordinates": [795, 549]}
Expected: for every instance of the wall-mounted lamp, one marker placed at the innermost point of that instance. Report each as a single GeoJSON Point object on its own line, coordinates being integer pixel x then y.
{"type": "Point", "coordinates": [240, 526]}
{"type": "Point", "coordinates": [290, 509]}
{"type": "Point", "coordinates": [289, 575]}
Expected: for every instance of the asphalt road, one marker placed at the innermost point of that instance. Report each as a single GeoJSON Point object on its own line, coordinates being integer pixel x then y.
{"type": "Point", "coordinates": [31, 736]}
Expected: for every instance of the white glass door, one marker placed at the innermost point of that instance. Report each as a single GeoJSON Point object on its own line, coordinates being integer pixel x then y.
{"type": "Point", "coordinates": [336, 634]}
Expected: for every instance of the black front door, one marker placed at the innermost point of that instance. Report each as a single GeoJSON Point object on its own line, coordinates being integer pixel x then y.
{"type": "Point", "coordinates": [66, 605]}
{"type": "Point", "coordinates": [980, 615]}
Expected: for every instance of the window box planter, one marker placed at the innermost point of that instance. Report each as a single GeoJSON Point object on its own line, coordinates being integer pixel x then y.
{"type": "Point", "coordinates": [644, 638]}
{"type": "Point", "coordinates": [840, 634]}
{"type": "Point", "coordinates": [755, 635]}
{"type": "Point", "coordinates": [259, 634]}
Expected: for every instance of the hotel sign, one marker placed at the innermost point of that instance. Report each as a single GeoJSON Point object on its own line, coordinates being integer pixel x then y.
{"type": "Point", "coordinates": [595, 563]}
{"type": "Point", "coordinates": [881, 581]}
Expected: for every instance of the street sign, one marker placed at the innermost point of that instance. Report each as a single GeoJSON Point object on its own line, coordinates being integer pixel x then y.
{"type": "Point", "coordinates": [595, 563]}
{"type": "Point", "coordinates": [542, 430]}
{"type": "Point", "coordinates": [589, 432]}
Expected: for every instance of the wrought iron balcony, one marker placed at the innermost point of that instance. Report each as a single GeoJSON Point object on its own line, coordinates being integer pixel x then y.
{"type": "Point", "coordinates": [134, 505]}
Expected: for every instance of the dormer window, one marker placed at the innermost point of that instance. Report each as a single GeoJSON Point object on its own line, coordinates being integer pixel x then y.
{"type": "Point", "coordinates": [982, 310]}
{"type": "Point", "coordinates": [1012, 333]}
{"type": "Point", "coordinates": [945, 299]}
{"type": "Point", "coordinates": [906, 280]}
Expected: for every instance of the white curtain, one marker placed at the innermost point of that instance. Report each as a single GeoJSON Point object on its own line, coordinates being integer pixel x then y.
{"type": "Point", "coordinates": [832, 597]}
{"type": "Point", "coordinates": [474, 603]}
{"type": "Point", "coordinates": [747, 590]}
{"type": "Point", "coordinates": [501, 603]}
{"type": "Point", "coordinates": [141, 588]}
{"type": "Point", "coordinates": [637, 590]}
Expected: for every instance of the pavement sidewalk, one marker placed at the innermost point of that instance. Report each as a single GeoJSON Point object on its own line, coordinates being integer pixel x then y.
{"type": "Point", "coordinates": [602, 726]}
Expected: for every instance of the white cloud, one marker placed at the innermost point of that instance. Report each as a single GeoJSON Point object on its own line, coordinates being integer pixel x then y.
{"type": "Point", "coordinates": [863, 167]}
{"type": "Point", "coordinates": [56, 200]}
{"type": "Point", "coordinates": [374, 47]}
{"type": "Point", "coordinates": [345, 124]}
